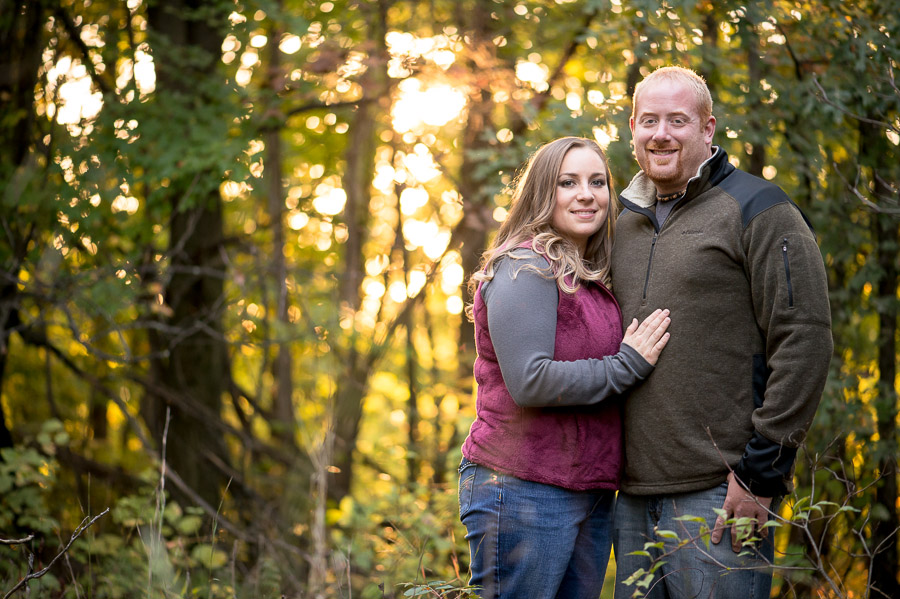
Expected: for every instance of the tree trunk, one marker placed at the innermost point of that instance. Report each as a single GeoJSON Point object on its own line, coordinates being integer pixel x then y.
{"type": "Point", "coordinates": [710, 48]}
{"type": "Point", "coordinates": [358, 184]}
{"type": "Point", "coordinates": [886, 237]}
{"type": "Point", "coordinates": [756, 153]}
{"type": "Point", "coordinates": [413, 448]}
{"type": "Point", "coordinates": [194, 369]}
{"type": "Point", "coordinates": [283, 411]}
{"type": "Point", "coordinates": [477, 219]}
{"type": "Point", "coordinates": [21, 45]}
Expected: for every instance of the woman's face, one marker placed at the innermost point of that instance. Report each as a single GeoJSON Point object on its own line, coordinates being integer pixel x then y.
{"type": "Point", "coordinates": [582, 196]}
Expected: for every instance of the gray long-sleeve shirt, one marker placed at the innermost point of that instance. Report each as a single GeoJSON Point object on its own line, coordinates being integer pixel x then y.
{"type": "Point", "coordinates": [521, 308]}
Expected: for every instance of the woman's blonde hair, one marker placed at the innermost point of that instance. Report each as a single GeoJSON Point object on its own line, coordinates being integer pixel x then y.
{"type": "Point", "coordinates": [531, 219]}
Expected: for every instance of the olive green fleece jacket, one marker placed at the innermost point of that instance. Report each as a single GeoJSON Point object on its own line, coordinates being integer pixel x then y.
{"type": "Point", "coordinates": [739, 382]}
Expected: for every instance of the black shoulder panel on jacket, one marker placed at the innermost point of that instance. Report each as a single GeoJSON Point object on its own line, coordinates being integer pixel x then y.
{"type": "Point", "coordinates": [755, 195]}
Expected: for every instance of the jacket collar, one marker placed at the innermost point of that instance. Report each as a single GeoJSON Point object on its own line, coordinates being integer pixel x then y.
{"type": "Point", "coordinates": [642, 192]}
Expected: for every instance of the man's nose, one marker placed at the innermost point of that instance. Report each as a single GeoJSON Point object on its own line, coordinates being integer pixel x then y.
{"type": "Point", "coordinates": [662, 131]}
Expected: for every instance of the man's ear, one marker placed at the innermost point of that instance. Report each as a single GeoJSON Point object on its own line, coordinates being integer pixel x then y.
{"type": "Point", "coordinates": [709, 130]}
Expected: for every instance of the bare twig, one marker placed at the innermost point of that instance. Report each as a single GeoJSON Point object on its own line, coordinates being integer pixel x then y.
{"type": "Point", "coordinates": [853, 188]}
{"type": "Point", "coordinates": [851, 114]}
{"type": "Point", "coordinates": [85, 524]}
{"type": "Point", "coordinates": [16, 541]}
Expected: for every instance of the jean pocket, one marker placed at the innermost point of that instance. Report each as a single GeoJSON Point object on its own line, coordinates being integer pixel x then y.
{"type": "Point", "coordinates": [467, 471]}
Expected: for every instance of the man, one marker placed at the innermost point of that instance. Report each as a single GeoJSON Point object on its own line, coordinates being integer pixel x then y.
{"type": "Point", "coordinates": [718, 423]}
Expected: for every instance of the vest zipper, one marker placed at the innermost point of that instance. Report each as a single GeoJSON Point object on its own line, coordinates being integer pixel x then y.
{"type": "Point", "coordinates": [787, 272]}
{"type": "Point", "coordinates": [650, 264]}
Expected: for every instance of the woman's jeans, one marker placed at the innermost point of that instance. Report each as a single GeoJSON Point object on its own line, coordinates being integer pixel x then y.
{"type": "Point", "coordinates": [529, 540]}
{"type": "Point", "coordinates": [692, 571]}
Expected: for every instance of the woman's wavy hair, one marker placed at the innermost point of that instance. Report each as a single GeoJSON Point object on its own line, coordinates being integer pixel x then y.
{"type": "Point", "coordinates": [531, 219]}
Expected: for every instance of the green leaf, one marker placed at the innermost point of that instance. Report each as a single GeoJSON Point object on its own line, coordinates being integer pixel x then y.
{"type": "Point", "coordinates": [644, 582]}
{"type": "Point", "coordinates": [656, 566]}
{"type": "Point", "coordinates": [209, 556]}
{"type": "Point", "coordinates": [635, 577]}
{"type": "Point", "coordinates": [699, 519]}
{"type": "Point", "coordinates": [189, 525]}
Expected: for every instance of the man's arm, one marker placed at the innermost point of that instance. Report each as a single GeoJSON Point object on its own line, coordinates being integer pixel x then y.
{"type": "Point", "coordinates": [790, 299]}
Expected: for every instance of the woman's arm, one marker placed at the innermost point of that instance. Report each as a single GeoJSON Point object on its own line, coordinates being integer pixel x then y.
{"type": "Point", "coordinates": [522, 322]}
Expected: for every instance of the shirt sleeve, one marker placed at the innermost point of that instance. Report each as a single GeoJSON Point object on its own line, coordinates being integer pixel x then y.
{"type": "Point", "coordinates": [790, 299]}
{"type": "Point", "coordinates": [521, 310]}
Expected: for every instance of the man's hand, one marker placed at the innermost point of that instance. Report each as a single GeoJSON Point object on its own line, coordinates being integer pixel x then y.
{"type": "Point", "coordinates": [740, 503]}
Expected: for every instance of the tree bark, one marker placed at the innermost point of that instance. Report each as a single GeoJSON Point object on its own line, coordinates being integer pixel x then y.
{"type": "Point", "coordinates": [195, 362]}
{"type": "Point", "coordinates": [477, 215]}
{"type": "Point", "coordinates": [886, 236]}
{"type": "Point", "coordinates": [413, 448]}
{"type": "Point", "coordinates": [21, 45]}
{"type": "Point", "coordinates": [282, 370]}
{"type": "Point", "coordinates": [358, 184]}
{"type": "Point", "coordinates": [756, 153]}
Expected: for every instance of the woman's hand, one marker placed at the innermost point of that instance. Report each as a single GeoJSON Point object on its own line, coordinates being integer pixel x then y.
{"type": "Point", "coordinates": [650, 337]}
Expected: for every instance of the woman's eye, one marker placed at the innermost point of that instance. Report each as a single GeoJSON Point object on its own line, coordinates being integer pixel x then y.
{"type": "Point", "coordinates": [599, 182]}
{"type": "Point", "coordinates": [566, 183]}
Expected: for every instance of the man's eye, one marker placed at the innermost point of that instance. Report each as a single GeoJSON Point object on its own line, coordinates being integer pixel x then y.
{"type": "Point", "coordinates": [648, 122]}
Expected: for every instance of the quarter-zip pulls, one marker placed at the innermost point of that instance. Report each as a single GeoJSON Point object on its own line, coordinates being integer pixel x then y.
{"type": "Point", "coordinates": [651, 216]}
{"type": "Point", "coordinates": [649, 264]}
{"type": "Point", "coordinates": [787, 272]}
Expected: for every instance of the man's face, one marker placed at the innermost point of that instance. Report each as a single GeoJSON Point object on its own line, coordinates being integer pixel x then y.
{"type": "Point", "coordinates": [671, 140]}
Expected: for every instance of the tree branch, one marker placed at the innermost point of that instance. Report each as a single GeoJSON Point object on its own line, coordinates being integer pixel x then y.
{"type": "Point", "coordinates": [85, 524]}
{"type": "Point", "coordinates": [324, 106]}
{"type": "Point", "coordinates": [75, 36]}
{"type": "Point", "coordinates": [16, 541]}
{"type": "Point", "coordinates": [850, 113]}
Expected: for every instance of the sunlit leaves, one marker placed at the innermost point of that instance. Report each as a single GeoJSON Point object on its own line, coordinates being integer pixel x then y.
{"type": "Point", "coordinates": [419, 106]}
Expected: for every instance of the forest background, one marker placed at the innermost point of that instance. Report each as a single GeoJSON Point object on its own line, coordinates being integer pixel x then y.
{"type": "Point", "coordinates": [234, 242]}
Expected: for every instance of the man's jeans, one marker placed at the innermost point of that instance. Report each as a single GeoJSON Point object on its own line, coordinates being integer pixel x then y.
{"type": "Point", "coordinates": [528, 540]}
{"type": "Point", "coordinates": [692, 571]}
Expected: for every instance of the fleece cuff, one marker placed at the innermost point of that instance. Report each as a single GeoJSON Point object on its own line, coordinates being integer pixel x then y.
{"type": "Point", "coordinates": [766, 467]}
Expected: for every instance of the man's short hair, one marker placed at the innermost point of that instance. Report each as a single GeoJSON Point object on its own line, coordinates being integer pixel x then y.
{"type": "Point", "coordinates": [684, 75]}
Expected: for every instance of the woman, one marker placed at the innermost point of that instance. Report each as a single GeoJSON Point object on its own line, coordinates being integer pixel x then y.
{"type": "Point", "coordinates": [542, 460]}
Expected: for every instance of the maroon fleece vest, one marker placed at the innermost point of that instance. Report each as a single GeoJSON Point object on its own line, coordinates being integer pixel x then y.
{"type": "Point", "coordinates": [576, 448]}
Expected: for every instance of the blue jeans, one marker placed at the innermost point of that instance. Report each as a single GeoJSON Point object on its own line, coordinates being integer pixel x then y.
{"type": "Point", "coordinates": [529, 540]}
{"type": "Point", "coordinates": [692, 571]}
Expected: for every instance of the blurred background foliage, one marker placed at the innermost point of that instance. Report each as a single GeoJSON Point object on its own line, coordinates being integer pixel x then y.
{"type": "Point", "coordinates": [234, 241]}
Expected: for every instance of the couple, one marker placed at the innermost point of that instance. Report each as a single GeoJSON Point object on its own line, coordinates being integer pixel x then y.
{"type": "Point", "coordinates": [567, 408]}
